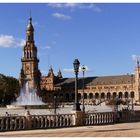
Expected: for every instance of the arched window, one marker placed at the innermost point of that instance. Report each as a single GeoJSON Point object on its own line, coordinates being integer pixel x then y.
{"type": "Point", "coordinates": [102, 95]}
{"type": "Point", "coordinates": [108, 95]}
{"type": "Point", "coordinates": [120, 95]}
{"type": "Point", "coordinates": [114, 95]}
{"type": "Point", "coordinates": [85, 95]}
{"type": "Point", "coordinates": [27, 54]}
{"type": "Point", "coordinates": [90, 95]}
{"type": "Point", "coordinates": [126, 95]}
{"type": "Point", "coordinates": [132, 94]}
{"type": "Point", "coordinates": [29, 37]}
{"type": "Point", "coordinates": [96, 95]}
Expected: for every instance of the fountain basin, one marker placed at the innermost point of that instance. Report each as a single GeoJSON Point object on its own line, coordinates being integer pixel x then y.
{"type": "Point", "coordinates": [27, 106]}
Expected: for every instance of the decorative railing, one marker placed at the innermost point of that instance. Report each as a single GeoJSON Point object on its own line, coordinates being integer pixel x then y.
{"type": "Point", "coordinates": [51, 121]}
{"type": "Point", "coordinates": [8, 123]}
{"type": "Point", "coordinates": [12, 123]}
{"type": "Point", "coordinates": [99, 118]}
{"type": "Point", "coordinates": [129, 116]}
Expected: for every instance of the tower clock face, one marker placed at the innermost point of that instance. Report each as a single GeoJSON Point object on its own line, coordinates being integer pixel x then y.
{"type": "Point", "coordinates": [28, 67]}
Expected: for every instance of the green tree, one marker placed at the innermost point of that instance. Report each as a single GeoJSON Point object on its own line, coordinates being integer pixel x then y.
{"type": "Point", "coordinates": [9, 89]}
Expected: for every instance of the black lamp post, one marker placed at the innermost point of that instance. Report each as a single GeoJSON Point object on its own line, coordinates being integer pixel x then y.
{"type": "Point", "coordinates": [116, 104]}
{"type": "Point", "coordinates": [117, 115]}
{"type": "Point", "coordinates": [54, 104]}
{"type": "Point", "coordinates": [3, 99]}
{"type": "Point", "coordinates": [76, 65]}
{"type": "Point", "coordinates": [131, 92]}
{"type": "Point", "coordinates": [83, 68]}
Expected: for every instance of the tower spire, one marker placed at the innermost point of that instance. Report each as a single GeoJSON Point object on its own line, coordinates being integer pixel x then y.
{"type": "Point", "coordinates": [30, 31]}
{"type": "Point", "coordinates": [59, 74]}
{"type": "Point", "coordinates": [137, 62]}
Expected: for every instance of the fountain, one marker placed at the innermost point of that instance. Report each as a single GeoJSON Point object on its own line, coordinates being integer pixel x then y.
{"type": "Point", "coordinates": [27, 99]}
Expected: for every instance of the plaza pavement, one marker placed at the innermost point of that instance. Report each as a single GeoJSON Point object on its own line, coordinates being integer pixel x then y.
{"type": "Point", "coordinates": [116, 130]}
{"type": "Point", "coordinates": [63, 110]}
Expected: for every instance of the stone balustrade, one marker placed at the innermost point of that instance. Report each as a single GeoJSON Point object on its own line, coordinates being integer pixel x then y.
{"type": "Point", "coordinates": [51, 121]}
{"type": "Point", "coordinates": [99, 118]}
{"type": "Point", "coordinates": [8, 123]}
{"type": "Point", "coordinates": [129, 116]}
{"type": "Point", "coordinates": [11, 123]}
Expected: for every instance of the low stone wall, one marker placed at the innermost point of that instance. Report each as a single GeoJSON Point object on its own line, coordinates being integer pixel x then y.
{"type": "Point", "coordinates": [9, 123]}
{"type": "Point", "coordinates": [12, 123]}
{"type": "Point", "coordinates": [99, 118]}
{"type": "Point", "coordinates": [129, 116]}
{"type": "Point", "coordinates": [51, 121]}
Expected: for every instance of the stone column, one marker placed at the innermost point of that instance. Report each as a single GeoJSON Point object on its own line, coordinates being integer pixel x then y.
{"type": "Point", "coordinates": [78, 119]}
{"type": "Point", "coordinates": [28, 121]}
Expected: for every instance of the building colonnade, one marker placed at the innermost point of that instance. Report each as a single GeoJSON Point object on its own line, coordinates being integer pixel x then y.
{"type": "Point", "coordinates": [89, 97]}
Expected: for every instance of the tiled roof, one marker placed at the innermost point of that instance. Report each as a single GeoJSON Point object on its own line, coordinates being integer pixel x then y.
{"type": "Point", "coordinates": [103, 80]}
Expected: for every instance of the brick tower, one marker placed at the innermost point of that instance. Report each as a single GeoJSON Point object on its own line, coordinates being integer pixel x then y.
{"type": "Point", "coordinates": [29, 71]}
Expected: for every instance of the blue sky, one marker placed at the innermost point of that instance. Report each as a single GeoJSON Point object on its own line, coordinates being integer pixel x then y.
{"type": "Point", "coordinates": [104, 37]}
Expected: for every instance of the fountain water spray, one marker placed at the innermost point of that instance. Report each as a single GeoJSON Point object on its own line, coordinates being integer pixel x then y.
{"type": "Point", "coordinates": [28, 97]}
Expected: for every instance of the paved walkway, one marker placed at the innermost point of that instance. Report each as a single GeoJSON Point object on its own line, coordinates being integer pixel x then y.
{"type": "Point", "coordinates": [117, 130]}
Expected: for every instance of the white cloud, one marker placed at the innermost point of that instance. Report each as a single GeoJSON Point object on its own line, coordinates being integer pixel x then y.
{"type": "Point", "coordinates": [73, 6]}
{"type": "Point", "coordinates": [61, 16]}
{"type": "Point", "coordinates": [44, 72]}
{"type": "Point", "coordinates": [68, 70]}
{"type": "Point", "coordinates": [7, 41]}
{"type": "Point", "coordinates": [87, 69]}
{"type": "Point", "coordinates": [47, 47]}
{"type": "Point", "coordinates": [93, 7]}
{"type": "Point", "coordinates": [63, 5]}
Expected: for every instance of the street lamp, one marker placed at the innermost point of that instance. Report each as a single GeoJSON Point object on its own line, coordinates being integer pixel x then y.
{"type": "Point", "coordinates": [54, 104]}
{"type": "Point", "coordinates": [132, 92]}
{"type": "Point", "coordinates": [76, 65]}
{"type": "Point", "coordinates": [3, 99]}
{"type": "Point", "coordinates": [83, 68]}
{"type": "Point", "coordinates": [116, 104]}
{"type": "Point", "coordinates": [116, 109]}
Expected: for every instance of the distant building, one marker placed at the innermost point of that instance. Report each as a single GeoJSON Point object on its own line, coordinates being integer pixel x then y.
{"type": "Point", "coordinates": [125, 87]}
